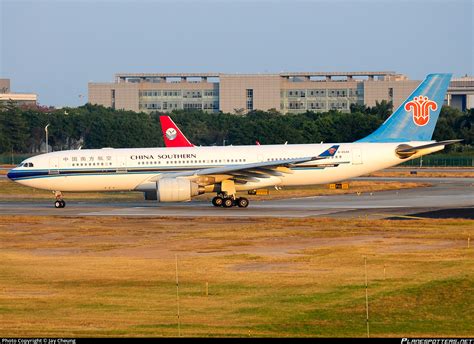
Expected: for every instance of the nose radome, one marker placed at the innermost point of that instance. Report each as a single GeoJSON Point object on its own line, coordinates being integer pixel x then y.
{"type": "Point", "coordinates": [10, 174]}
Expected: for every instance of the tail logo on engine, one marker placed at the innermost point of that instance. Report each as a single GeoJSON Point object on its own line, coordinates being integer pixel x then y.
{"type": "Point", "coordinates": [420, 106]}
{"type": "Point", "coordinates": [171, 133]}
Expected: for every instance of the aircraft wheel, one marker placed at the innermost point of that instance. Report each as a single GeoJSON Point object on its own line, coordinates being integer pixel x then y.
{"type": "Point", "coordinates": [63, 204]}
{"type": "Point", "coordinates": [242, 202]}
{"type": "Point", "coordinates": [217, 201]}
{"type": "Point", "coordinates": [228, 203]}
{"type": "Point", "coordinates": [58, 204]}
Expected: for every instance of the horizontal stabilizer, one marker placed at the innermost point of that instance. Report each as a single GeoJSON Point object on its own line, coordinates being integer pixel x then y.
{"type": "Point", "coordinates": [405, 151]}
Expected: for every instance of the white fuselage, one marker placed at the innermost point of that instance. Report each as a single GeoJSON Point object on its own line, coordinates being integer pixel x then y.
{"type": "Point", "coordinates": [133, 169]}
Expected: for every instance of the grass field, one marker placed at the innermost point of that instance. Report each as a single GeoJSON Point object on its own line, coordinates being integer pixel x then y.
{"type": "Point", "coordinates": [266, 277]}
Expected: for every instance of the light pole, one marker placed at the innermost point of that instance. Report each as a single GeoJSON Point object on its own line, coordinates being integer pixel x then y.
{"type": "Point", "coordinates": [46, 131]}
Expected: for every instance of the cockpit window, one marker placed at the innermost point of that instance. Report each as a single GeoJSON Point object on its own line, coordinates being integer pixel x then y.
{"type": "Point", "coordinates": [26, 164]}
{"type": "Point", "coordinates": [20, 165]}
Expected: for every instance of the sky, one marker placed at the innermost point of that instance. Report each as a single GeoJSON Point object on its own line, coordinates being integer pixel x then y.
{"type": "Point", "coordinates": [54, 48]}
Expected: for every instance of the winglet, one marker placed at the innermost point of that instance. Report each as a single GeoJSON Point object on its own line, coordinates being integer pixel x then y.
{"type": "Point", "coordinates": [329, 152]}
{"type": "Point", "coordinates": [172, 136]}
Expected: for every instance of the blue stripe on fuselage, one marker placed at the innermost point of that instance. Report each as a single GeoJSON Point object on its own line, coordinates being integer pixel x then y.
{"type": "Point", "coordinates": [34, 174]}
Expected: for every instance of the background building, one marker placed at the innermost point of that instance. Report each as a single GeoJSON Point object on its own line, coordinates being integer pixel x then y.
{"type": "Point", "coordinates": [241, 93]}
{"type": "Point", "coordinates": [19, 98]}
{"type": "Point", "coordinates": [461, 93]}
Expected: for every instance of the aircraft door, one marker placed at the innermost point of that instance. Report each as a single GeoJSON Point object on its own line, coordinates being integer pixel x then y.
{"type": "Point", "coordinates": [53, 166]}
{"type": "Point", "coordinates": [356, 156]}
{"type": "Point", "coordinates": [121, 164]}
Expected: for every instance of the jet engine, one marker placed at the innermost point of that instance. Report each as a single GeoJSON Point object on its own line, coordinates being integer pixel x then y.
{"type": "Point", "coordinates": [176, 190]}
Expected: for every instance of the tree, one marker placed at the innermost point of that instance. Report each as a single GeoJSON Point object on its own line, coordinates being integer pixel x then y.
{"type": "Point", "coordinates": [360, 108]}
{"type": "Point", "coordinates": [94, 126]}
{"type": "Point", "coordinates": [383, 109]}
{"type": "Point", "coordinates": [14, 128]}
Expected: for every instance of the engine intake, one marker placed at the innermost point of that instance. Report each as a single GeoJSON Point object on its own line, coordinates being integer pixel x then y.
{"type": "Point", "coordinates": [176, 190]}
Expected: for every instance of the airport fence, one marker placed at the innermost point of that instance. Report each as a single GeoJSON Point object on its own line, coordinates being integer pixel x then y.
{"type": "Point", "coordinates": [13, 159]}
{"type": "Point", "coordinates": [441, 161]}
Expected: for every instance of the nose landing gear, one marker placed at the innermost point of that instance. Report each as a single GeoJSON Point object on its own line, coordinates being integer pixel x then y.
{"type": "Point", "coordinates": [59, 203]}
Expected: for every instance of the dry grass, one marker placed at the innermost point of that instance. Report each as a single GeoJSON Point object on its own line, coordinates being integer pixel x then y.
{"type": "Point", "coordinates": [4, 169]}
{"type": "Point", "coordinates": [324, 190]}
{"type": "Point", "coordinates": [115, 276]}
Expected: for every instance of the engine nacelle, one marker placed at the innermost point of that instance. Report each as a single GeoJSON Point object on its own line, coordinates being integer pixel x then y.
{"type": "Point", "coordinates": [176, 190]}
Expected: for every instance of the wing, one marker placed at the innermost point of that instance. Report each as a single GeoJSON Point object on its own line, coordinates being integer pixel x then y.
{"type": "Point", "coordinates": [252, 172]}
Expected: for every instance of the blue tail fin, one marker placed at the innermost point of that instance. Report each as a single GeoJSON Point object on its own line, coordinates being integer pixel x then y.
{"type": "Point", "coordinates": [416, 118]}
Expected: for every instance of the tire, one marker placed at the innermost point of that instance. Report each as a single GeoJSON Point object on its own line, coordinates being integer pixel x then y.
{"type": "Point", "coordinates": [217, 201]}
{"type": "Point", "coordinates": [243, 202]}
{"type": "Point", "coordinates": [228, 203]}
{"type": "Point", "coordinates": [58, 204]}
{"type": "Point", "coordinates": [63, 204]}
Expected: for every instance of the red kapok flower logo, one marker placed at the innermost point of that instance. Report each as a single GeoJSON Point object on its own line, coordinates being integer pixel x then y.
{"type": "Point", "coordinates": [421, 109]}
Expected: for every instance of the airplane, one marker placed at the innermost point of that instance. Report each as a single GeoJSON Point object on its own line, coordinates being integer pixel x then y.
{"type": "Point", "coordinates": [172, 136]}
{"type": "Point", "coordinates": [178, 174]}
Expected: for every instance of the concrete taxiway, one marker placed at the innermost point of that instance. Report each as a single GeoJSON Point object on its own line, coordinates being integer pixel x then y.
{"type": "Point", "coordinates": [446, 193]}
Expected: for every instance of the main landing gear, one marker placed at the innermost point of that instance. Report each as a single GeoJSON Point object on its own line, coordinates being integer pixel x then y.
{"type": "Point", "coordinates": [59, 203]}
{"type": "Point", "coordinates": [228, 202]}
